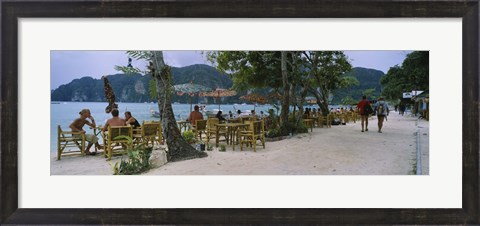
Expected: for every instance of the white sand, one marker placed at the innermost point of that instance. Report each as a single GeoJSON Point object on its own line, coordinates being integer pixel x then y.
{"type": "Point", "coordinates": [340, 150]}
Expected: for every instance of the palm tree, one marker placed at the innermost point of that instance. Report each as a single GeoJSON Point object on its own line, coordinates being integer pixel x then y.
{"type": "Point", "coordinates": [178, 148]}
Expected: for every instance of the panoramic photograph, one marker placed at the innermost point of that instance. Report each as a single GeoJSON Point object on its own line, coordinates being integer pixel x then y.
{"type": "Point", "coordinates": [239, 112]}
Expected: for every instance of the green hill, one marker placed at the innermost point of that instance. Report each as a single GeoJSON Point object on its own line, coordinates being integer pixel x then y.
{"type": "Point", "coordinates": [367, 79]}
{"type": "Point", "coordinates": [134, 88]}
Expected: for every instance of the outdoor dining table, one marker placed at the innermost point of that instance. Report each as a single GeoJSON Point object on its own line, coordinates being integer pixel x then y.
{"type": "Point", "coordinates": [97, 130]}
{"type": "Point", "coordinates": [234, 120]}
{"type": "Point", "coordinates": [232, 130]}
{"type": "Point", "coordinates": [183, 125]}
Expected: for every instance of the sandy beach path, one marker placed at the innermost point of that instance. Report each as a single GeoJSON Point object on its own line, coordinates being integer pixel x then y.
{"type": "Point", "coordinates": [340, 150]}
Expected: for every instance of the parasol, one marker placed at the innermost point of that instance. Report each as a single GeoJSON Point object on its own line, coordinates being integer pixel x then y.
{"type": "Point", "coordinates": [220, 93]}
{"type": "Point", "coordinates": [190, 89]}
{"type": "Point", "coordinates": [255, 98]}
{"type": "Point", "coordinates": [109, 95]}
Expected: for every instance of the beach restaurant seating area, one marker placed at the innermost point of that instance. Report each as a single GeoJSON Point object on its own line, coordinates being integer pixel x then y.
{"type": "Point", "coordinates": [336, 118]}
{"type": "Point", "coordinates": [74, 143]}
{"type": "Point", "coordinates": [245, 131]}
{"type": "Point", "coordinates": [232, 131]}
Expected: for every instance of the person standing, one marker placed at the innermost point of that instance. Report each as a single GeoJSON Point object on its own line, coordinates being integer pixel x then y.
{"type": "Point", "coordinates": [364, 107]}
{"type": "Point", "coordinates": [381, 108]}
{"type": "Point", "coordinates": [77, 126]}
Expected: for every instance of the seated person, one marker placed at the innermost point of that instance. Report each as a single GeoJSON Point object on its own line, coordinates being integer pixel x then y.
{"type": "Point", "coordinates": [77, 126]}
{"type": "Point", "coordinates": [114, 121]}
{"type": "Point", "coordinates": [195, 115]}
{"type": "Point", "coordinates": [220, 117]}
{"type": "Point", "coordinates": [130, 120]}
{"type": "Point", "coordinates": [262, 115]}
{"type": "Point", "coordinates": [239, 113]}
{"type": "Point", "coordinates": [230, 114]}
{"type": "Point", "coordinates": [253, 114]}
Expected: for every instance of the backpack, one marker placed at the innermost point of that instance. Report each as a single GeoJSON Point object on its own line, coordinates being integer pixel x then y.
{"type": "Point", "coordinates": [367, 109]}
{"type": "Point", "coordinates": [381, 109]}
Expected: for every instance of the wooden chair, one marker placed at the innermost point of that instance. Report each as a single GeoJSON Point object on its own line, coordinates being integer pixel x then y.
{"type": "Point", "coordinates": [309, 123]}
{"type": "Point", "coordinates": [212, 129]}
{"type": "Point", "coordinates": [70, 139]}
{"type": "Point", "coordinates": [200, 126]}
{"type": "Point", "coordinates": [325, 120]}
{"type": "Point", "coordinates": [116, 145]}
{"type": "Point", "coordinates": [255, 132]}
{"type": "Point", "coordinates": [247, 118]}
{"type": "Point", "coordinates": [152, 132]}
{"type": "Point", "coordinates": [137, 135]}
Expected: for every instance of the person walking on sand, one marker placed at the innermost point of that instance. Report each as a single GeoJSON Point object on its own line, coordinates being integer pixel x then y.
{"type": "Point", "coordinates": [77, 126]}
{"type": "Point", "coordinates": [381, 108]}
{"type": "Point", "coordinates": [364, 107]}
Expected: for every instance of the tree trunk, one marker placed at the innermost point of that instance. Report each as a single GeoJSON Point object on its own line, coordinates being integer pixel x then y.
{"type": "Point", "coordinates": [178, 148]}
{"type": "Point", "coordinates": [322, 102]}
{"type": "Point", "coordinates": [286, 90]}
{"type": "Point", "coordinates": [303, 96]}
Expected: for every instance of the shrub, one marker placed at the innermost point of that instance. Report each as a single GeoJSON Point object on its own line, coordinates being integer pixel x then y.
{"type": "Point", "coordinates": [138, 159]}
{"type": "Point", "coordinates": [209, 147]}
{"type": "Point", "coordinates": [223, 148]}
{"type": "Point", "coordinates": [188, 136]}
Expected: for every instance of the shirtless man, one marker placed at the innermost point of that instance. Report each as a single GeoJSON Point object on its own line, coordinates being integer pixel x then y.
{"type": "Point", "coordinates": [114, 121]}
{"type": "Point", "coordinates": [77, 126]}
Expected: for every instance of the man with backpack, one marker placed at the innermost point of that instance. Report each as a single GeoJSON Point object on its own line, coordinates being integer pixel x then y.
{"type": "Point", "coordinates": [381, 108]}
{"type": "Point", "coordinates": [365, 110]}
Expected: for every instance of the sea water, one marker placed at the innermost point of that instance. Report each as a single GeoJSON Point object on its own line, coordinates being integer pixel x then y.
{"type": "Point", "coordinates": [64, 113]}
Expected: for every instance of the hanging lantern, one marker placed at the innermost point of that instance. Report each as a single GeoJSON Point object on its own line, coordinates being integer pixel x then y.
{"type": "Point", "coordinates": [129, 62]}
{"type": "Point", "coordinates": [191, 94]}
{"type": "Point", "coordinates": [180, 93]}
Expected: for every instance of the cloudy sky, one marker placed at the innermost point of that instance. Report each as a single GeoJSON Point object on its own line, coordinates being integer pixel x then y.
{"type": "Point", "coordinates": [69, 65]}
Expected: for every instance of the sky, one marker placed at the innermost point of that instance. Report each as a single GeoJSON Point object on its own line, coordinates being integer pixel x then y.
{"type": "Point", "coordinates": [68, 65]}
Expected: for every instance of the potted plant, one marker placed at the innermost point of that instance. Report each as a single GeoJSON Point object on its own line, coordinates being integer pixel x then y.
{"type": "Point", "coordinates": [201, 143]}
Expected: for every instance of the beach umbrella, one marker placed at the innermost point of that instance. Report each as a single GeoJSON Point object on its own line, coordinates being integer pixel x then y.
{"type": "Point", "coordinates": [218, 93]}
{"type": "Point", "coordinates": [255, 98]}
{"type": "Point", "coordinates": [109, 95]}
{"type": "Point", "coordinates": [190, 89]}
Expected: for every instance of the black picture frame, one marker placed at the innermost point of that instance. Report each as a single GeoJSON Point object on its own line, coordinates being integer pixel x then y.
{"type": "Point", "coordinates": [11, 11]}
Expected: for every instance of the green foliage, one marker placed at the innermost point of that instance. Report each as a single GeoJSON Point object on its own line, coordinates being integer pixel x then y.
{"type": "Point", "coordinates": [138, 159]}
{"type": "Point", "coordinates": [369, 93]}
{"type": "Point", "coordinates": [293, 126]}
{"type": "Point", "coordinates": [188, 136]}
{"type": "Point", "coordinates": [223, 147]}
{"type": "Point", "coordinates": [367, 79]}
{"type": "Point", "coordinates": [209, 147]}
{"type": "Point", "coordinates": [152, 89]}
{"type": "Point", "coordinates": [249, 68]}
{"type": "Point", "coordinates": [348, 100]}
{"type": "Point", "coordinates": [411, 75]}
